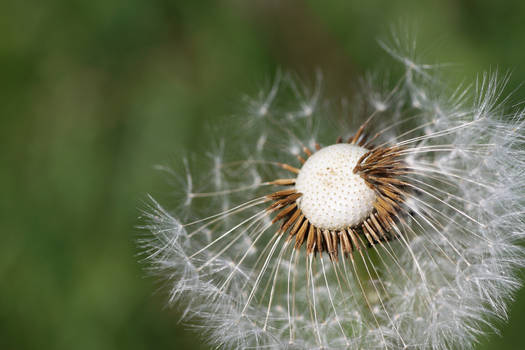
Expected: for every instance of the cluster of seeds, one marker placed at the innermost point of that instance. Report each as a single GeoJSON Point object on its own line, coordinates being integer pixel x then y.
{"type": "Point", "coordinates": [408, 237]}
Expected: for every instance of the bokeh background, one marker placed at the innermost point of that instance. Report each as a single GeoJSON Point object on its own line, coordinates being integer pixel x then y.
{"type": "Point", "coordinates": [94, 93]}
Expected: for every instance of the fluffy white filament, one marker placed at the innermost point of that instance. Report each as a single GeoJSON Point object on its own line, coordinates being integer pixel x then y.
{"type": "Point", "coordinates": [447, 277]}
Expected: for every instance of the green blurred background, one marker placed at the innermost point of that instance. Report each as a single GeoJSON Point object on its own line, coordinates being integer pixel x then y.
{"type": "Point", "coordinates": [94, 93]}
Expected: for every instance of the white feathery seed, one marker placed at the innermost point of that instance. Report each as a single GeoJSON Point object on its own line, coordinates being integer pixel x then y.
{"type": "Point", "coordinates": [419, 248]}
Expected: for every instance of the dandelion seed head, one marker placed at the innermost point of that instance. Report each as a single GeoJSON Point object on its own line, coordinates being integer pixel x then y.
{"type": "Point", "coordinates": [403, 231]}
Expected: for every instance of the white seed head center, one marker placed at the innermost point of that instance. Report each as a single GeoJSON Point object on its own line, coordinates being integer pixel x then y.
{"type": "Point", "coordinates": [333, 197]}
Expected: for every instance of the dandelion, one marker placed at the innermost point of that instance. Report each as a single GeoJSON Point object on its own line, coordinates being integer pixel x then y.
{"type": "Point", "coordinates": [393, 226]}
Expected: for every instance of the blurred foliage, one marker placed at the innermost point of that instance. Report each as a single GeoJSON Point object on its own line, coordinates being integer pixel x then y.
{"type": "Point", "coordinates": [94, 93]}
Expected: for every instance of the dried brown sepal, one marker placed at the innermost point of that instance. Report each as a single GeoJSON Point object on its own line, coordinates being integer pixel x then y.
{"type": "Point", "coordinates": [307, 151]}
{"type": "Point", "coordinates": [283, 182]}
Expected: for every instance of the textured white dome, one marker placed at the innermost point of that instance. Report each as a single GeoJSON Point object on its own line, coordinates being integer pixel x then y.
{"type": "Point", "coordinates": [333, 196]}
